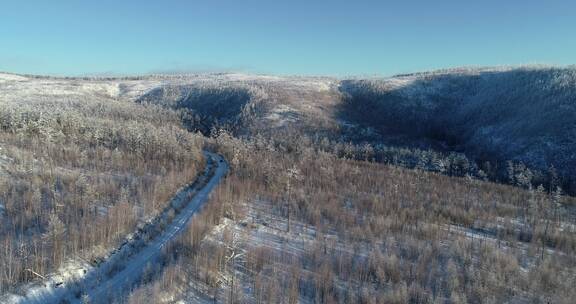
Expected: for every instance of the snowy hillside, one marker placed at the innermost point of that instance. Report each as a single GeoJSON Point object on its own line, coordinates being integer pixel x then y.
{"type": "Point", "coordinates": [524, 114]}
{"type": "Point", "coordinates": [500, 114]}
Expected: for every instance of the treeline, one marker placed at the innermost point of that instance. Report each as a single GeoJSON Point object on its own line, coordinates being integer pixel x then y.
{"type": "Point", "coordinates": [448, 163]}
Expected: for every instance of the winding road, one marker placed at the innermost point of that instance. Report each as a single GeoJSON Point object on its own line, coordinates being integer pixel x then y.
{"type": "Point", "coordinates": [97, 287]}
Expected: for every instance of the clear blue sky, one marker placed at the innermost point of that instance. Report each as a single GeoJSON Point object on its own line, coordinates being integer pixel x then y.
{"type": "Point", "coordinates": [281, 37]}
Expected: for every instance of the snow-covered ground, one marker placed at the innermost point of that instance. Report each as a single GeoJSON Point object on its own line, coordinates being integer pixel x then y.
{"type": "Point", "coordinates": [4, 77]}
{"type": "Point", "coordinates": [17, 87]}
{"type": "Point", "coordinates": [281, 115]}
{"type": "Point", "coordinates": [262, 231]}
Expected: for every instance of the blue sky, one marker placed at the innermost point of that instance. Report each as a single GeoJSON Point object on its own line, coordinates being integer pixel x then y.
{"type": "Point", "coordinates": [354, 37]}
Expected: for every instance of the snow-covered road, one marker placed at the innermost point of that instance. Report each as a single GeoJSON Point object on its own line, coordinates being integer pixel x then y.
{"type": "Point", "coordinates": [97, 287]}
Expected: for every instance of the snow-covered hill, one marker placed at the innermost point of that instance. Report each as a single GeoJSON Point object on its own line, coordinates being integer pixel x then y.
{"type": "Point", "coordinates": [523, 114]}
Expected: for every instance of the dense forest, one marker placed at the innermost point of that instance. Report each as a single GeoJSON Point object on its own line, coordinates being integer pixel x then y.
{"type": "Point", "coordinates": [523, 115]}
{"type": "Point", "coordinates": [368, 233]}
{"type": "Point", "coordinates": [442, 187]}
{"type": "Point", "coordinates": [77, 175]}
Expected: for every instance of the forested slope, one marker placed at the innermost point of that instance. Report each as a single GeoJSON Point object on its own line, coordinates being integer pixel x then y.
{"type": "Point", "coordinates": [327, 199]}
{"type": "Point", "coordinates": [79, 169]}
{"type": "Point", "coordinates": [520, 114]}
